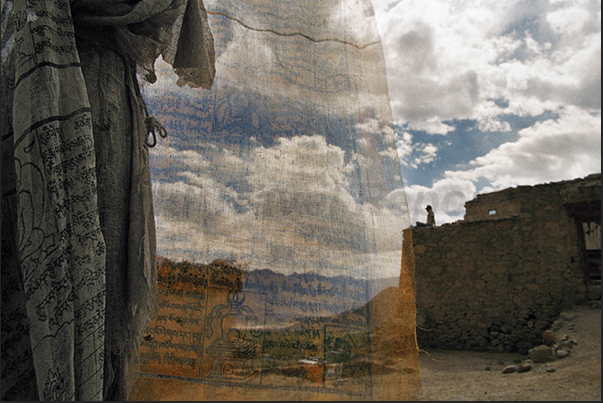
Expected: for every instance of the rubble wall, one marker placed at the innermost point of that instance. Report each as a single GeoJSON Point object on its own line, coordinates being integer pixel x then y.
{"type": "Point", "coordinates": [497, 284]}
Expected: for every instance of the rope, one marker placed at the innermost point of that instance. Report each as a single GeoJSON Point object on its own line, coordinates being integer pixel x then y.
{"type": "Point", "coordinates": [153, 128]}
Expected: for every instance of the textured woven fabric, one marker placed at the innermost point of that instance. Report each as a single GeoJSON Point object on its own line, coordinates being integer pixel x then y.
{"type": "Point", "coordinates": [278, 202]}
{"type": "Point", "coordinates": [280, 207]}
{"type": "Point", "coordinates": [78, 239]}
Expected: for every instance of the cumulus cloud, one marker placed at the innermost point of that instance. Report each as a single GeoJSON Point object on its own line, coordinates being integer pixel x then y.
{"type": "Point", "coordinates": [568, 19]}
{"type": "Point", "coordinates": [412, 155]}
{"type": "Point", "coordinates": [532, 64]}
{"type": "Point", "coordinates": [555, 149]}
{"type": "Point", "coordinates": [447, 197]}
{"type": "Point", "coordinates": [296, 211]}
{"type": "Point", "coordinates": [446, 60]}
{"type": "Point", "coordinates": [304, 164]}
{"type": "Point", "coordinates": [552, 150]}
{"type": "Point", "coordinates": [404, 146]}
{"type": "Point", "coordinates": [308, 194]}
{"type": "Point", "coordinates": [487, 114]}
{"type": "Point", "coordinates": [432, 125]}
{"type": "Point", "coordinates": [428, 154]}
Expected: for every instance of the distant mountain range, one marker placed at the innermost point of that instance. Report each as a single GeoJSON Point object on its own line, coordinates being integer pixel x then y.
{"type": "Point", "coordinates": [293, 297]}
{"type": "Point", "coordinates": [311, 294]}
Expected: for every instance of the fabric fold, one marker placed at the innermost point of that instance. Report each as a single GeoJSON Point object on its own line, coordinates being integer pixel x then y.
{"type": "Point", "coordinates": [81, 297]}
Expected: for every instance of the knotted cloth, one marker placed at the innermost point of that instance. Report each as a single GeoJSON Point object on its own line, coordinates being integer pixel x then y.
{"type": "Point", "coordinates": [78, 237]}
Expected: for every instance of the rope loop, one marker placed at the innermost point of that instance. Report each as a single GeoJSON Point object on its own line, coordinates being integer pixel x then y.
{"type": "Point", "coordinates": [153, 128]}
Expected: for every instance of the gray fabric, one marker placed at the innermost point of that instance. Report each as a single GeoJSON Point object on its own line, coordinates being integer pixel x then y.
{"type": "Point", "coordinates": [103, 68]}
{"type": "Point", "coordinates": [60, 247]}
{"type": "Point", "coordinates": [78, 240]}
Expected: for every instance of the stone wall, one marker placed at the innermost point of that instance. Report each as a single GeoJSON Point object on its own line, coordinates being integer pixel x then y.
{"type": "Point", "coordinates": [494, 205]}
{"type": "Point", "coordinates": [498, 283]}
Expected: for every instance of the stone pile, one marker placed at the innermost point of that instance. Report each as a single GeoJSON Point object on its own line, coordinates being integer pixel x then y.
{"type": "Point", "coordinates": [551, 349]}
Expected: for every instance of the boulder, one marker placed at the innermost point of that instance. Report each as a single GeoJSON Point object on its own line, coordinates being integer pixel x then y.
{"type": "Point", "coordinates": [542, 354]}
{"type": "Point", "coordinates": [525, 367]}
{"type": "Point", "coordinates": [548, 338]}
{"type": "Point", "coordinates": [562, 353]}
{"type": "Point", "coordinates": [546, 368]}
{"type": "Point", "coordinates": [510, 369]}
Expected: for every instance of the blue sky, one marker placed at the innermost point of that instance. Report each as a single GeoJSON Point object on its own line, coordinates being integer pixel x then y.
{"type": "Point", "coordinates": [484, 95]}
{"type": "Point", "coordinates": [488, 95]}
{"type": "Point", "coordinates": [289, 162]}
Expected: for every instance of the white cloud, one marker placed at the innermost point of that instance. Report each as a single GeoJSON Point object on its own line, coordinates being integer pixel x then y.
{"type": "Point", "coordinates": [568, 19]}
{"type": "Point", "coordinates": [452, 59]}
{"type": "Point", "coordinates": [431, 125]}
{"type": "Point", "coordinates": [447, 59]}
{"type": "Point", "coordinates": [553, 150]}
{"type": "Point", "coordinates": [404, 146]}
{"type": "Point", "coordinates": [428, 154]}
{"type": "Point", "coordinates": [304, 163]}
{"type": "Point", "coordinates": [447, 197]}
{"type": "Point", "coordinates": [296, 207]}
{"type": "Point", "coordinates": [487, 113]}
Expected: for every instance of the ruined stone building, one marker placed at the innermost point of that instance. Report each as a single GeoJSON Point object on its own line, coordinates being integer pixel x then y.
{"type": "Point", "coordinates": [497, 279]}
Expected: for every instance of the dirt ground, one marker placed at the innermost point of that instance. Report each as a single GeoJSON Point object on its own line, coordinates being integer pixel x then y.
{"type": "Point", "coordinates": [465, 375]}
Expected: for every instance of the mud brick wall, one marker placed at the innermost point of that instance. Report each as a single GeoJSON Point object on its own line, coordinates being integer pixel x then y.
{"type": "Point", "coordinates": [497, 284]}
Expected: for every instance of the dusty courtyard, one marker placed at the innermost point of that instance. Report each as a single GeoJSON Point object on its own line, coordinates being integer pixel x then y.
{"type": "Point", "coordinates": [465, 375]}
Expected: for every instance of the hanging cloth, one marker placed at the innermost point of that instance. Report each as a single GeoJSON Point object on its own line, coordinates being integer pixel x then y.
{"type": "Point", "coordinates": [78, 237]}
